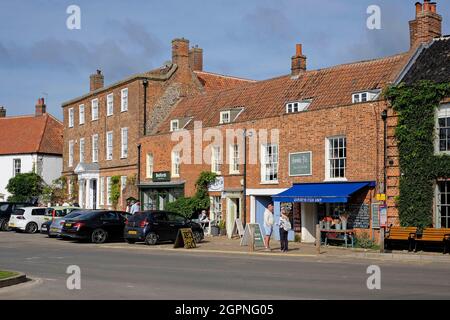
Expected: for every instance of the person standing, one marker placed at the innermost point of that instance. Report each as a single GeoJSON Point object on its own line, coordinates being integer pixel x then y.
{"type": "Point", "coordinates": [285, 226]}
{"type": "Point", "coordinates": [135, 207]}
{"type": "Point", "coordinates": [268, 225]}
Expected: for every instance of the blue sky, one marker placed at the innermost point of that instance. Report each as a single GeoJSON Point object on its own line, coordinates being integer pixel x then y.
{"type": "Point", "coordinates": [40, 57]}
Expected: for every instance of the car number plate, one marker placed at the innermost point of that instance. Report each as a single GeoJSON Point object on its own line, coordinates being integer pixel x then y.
{"type": "Point", "coordinates": [11, 224]}
{"type": "Point", "coordinates": [53, 229]}
{"type": "Point", "coordinates": [68, 225]}
{"type": "Point", "coordinates": [132, 232]}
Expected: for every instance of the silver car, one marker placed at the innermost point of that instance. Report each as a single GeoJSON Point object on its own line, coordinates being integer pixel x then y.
{"type": "Point", "coordinates": [57, 224]}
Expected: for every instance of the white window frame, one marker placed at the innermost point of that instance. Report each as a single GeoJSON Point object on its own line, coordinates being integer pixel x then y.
{"type": "Point", "coordinates": [297, 106]}
{"type": "Point", "coordinates": [222, 117]}
{"type": "Point", "coordinates": [71, 118]}
{"type": "Point", "coordinates": [108, 191]}
{"type": "Point", "coordinates": [95, 148]}
{"type": "Point", "coordinates": [124, 143]}
{"type": "Point", "coordinates": [81, 114]}
{"type": "Point", "coordinates": [109, 104]}
{"type": "Point", "coordinates": [216, 208]}
{"type": "Point", "coordinates": [124, 100]}
{"type": "Point", "coordinates": [109, 145]}
{"type": "Point", "coordinates": [234, 155]}
{"type": "Point", "coordinates": [94, 109]}
{"type": "Point", "coordinates": [82, 148]}
{"type": "Point", "coordinates": [328, 158]}
{"type": "Point", "coordinates": [438, 204]}
{"type": "Point", "coordinates": [442, 112]}
{"type": "Point", "coordinates": [216, 160]}
{"type": "Point", "coordinates": [123, 183]}
{"type": "Point", "coordinates": [149, 165]}
{"type": "Point", "coordinates": [71, 146]}
{"type": "Point", "coordinates": [269, 163]}
{"type": "Point", "coordinates": [174, 127]}
{"type": "Point", "coordinates": [176, 163]}
{"type": "Point", "coordinates": [17, 168]}
{"type": "Point", "coordinates": [102, 191]}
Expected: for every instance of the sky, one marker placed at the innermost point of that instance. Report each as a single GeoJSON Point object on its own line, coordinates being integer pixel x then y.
{"type": "Point", "coordinates": [255, 39]}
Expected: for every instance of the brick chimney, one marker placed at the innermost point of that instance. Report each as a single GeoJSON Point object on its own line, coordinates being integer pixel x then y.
{"type": "Point", "coordinates": [196, 58]}
{"type": "Point", "coordinates": [180, 52]}
{"type": "Point", "coordinates": [426, 26]}
{"type": "Point", "coordinates": [2, 112]}
{"type": "Point", "coordinates": [298, 61]}
{"type": "Point", "coordinates": [97, 81]}
{"type": "Point", "coordinates": [40, 107]}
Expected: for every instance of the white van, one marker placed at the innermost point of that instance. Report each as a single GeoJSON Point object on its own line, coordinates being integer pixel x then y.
{"type": "Point", "coordinates": [29, 219]}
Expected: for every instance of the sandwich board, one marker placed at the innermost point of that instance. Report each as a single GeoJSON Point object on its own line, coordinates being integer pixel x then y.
{"type": "Point", "coordinates": [253, 229]}
{"type": "Point", "coordinates": [185, 238]}
{"type": "Point", "coordinates": [238, 228]}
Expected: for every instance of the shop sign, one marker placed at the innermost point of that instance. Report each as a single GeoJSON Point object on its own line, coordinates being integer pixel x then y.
{"type": "Point", "coordinates": [217, 186]}
{"type": "Point", "coordinates": [383, 216]}
{"type": "Point", "coordinates": [381, 197]}
{"type": "Point", "coordinates": [308, 199]}
{"type": "Point", "coordinates": [300, 163]}
{"type": "Point", "coordinates": [162, 176]}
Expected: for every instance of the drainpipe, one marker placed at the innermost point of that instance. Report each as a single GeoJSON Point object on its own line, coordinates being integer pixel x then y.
{"type": "Point", "coordinates": [145, 84]}
{"type": "Point", "coordinates": [139, 173]}
{"type": "Point", "coordinates": [244, 200]}
{"type": "Point", "coordinates": [384, 117]}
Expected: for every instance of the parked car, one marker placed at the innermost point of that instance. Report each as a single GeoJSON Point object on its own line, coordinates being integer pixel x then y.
{"type": "Point", "coordinates": [96, 226]}
{"type": "Point", "coordinates": [154, 226]}
{"type": "Point", "coordinates": [53, 228]}
{"type": "Point", "coordinates": [58, 212]}
{"type": "Point", "coordinates": [6, 209]}
{"type": "Point", "coordinates": [28, 219]}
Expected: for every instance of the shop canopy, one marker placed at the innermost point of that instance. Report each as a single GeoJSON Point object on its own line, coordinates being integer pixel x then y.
{"type": "Point", "coordinates": [331, 192]}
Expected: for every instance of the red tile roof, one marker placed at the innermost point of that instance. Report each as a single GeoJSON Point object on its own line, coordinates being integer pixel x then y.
{"type": "Point", "coordinates": [328, 87]}
{"type": "Point", "coordinates": [214, 81]}
{"type": "Point", "coordinates": [31, 134]}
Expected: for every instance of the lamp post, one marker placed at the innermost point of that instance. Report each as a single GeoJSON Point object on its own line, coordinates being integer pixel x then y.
{"type": "Point", "coordinates": [384, 117]}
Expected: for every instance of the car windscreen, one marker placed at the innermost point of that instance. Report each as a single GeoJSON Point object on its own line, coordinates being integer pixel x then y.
{"type": "Point", "coordinates": [19, 212]}
{"type": "Point", "coordinates": [73, 215]}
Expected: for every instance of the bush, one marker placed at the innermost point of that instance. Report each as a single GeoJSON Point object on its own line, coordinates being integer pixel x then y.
{"type": "Point", "coordinates": [363, 240]}
{"type": "Point", "coordinates": [25, 186]}
{"type": "Point", "coordinates": [115, 191]}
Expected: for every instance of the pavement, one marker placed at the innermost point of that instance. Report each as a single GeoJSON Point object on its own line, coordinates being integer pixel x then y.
{"type": "Point", "coordinates": [218, 269]}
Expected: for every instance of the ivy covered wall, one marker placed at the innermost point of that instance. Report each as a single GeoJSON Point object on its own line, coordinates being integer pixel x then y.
{"type": "Point", "coordinates": [415, 133]}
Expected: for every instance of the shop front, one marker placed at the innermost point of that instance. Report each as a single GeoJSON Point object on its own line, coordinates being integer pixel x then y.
{"type": "Point", "coordinates": [162, 190]}
{"type": "Point", "coordinates": [335, 200]}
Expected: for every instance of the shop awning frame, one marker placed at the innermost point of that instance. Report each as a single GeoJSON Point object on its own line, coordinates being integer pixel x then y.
{"type": "Point", "coordinates": [326, 192]}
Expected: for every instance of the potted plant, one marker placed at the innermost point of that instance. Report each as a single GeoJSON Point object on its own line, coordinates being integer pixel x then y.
{"type": "Point", "coordinates": [215, 229]}
{"type": "Point", "coordinates": [222, 227]}
{"type": "Point", "coordinates": [344, 218]}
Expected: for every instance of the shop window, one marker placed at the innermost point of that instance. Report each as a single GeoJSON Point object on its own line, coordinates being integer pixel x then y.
{"type": "Point", "coordinates": [216, 208]}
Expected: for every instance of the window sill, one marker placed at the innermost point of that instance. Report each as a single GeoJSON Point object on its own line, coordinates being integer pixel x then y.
{"type": "Point", "coordinates": [269, 182]}
{"type": "Point", "coordinates": [235, 173]}
{"type": "Point", "coordinates": [123, 110]}
{"type": "Point", "coordinates": [175, 176]}
{"type": "Point", "coordinates": [335, 180]}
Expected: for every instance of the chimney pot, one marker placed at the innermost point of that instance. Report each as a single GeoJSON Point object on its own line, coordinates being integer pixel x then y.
{"type": "Point", "coordinates": [40, 108]}
{"type": "Point", "coordinates": [426, 26]}
{"type": "Point", "coordinates": [2, 112]}
{"type": "Point", "coordinates": [196, 58]}
{"type": "Point", "coordinates": [97, 80]}
{"type": "Point", "coordinates": [419, 8]}
{"type": "Point", "coordinates": [298, 63]}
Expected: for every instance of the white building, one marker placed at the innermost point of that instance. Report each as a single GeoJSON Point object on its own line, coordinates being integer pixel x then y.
{"type": "Point", "coordinates": [30, 143]}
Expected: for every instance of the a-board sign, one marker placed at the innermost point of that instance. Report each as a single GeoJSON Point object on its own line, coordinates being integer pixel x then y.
{"type": "Point", "coordinates": [255, 229]}
{"type": "Point", "coordinates": [359, 216]}
{"type": "Point", "coordinates": [238, 228]}
{"type": "Point", "coordinates": [185, 238]}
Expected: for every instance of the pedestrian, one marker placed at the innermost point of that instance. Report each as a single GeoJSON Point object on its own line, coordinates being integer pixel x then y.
{"type": "Point", "coordinates": [268, 225]}
{"type": "Point", "coordinates": [203, 219]}
{"type": "Point", "coordinates": [128, 209]}
{"type": "Point", "coordinates": [135, 207]}
{"type": "Point", "coordinates": [285, 226]}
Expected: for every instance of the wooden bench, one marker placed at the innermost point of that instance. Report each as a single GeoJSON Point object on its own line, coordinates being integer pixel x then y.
{"type": "Point", "coordinates": [401, 234]}
{"type": "Point", "coordinates": [435, 236]}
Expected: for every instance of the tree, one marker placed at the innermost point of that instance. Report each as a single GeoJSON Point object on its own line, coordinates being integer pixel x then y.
{"type": "Point", "coordinates": [57, 192]}
{"type": "Point", "coordinates": [24, 187]}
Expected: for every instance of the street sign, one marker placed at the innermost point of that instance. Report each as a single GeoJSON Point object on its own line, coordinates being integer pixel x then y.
{"type": "Point", "coordinates": [162, 176]}
{"type": "Point", "coordinates": [185, 238]}
{"type": "Point", "coordinates": [238, 228]}
{"type": "Point", "coordinates": [380, 197]}
{"type": "Point", "coordinates": [257, 235]}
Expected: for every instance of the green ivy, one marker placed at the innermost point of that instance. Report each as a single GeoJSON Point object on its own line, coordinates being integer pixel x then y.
{"type": "Point", "coordinates": [115, 191]}
{"type": "Point", "coordinates": [415, 133]}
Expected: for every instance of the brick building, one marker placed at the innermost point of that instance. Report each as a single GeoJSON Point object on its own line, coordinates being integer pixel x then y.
{"type": "Point", "coordinates": [102, 127]}
{"type": "Point", "coordinates": [330, 138]}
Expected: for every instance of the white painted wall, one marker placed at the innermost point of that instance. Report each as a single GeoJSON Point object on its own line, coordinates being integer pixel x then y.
{"type": "Point", "coordinates": [50, 170]}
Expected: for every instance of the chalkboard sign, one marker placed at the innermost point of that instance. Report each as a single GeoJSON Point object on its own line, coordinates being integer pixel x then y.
{"type": "Point", "coordinates": [257, 235]}
{"type": "Point", "coordinates": [359, 216]}
{"type": "Point", "coordinates": [238, 228]}
{"type": "Point", "coordinates": [185, 238]}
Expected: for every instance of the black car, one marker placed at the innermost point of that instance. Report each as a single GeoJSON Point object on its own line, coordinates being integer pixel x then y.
{"type": "Point", "coordinates": [6, 209]}
{"type": "Point", "coordinates": [96, 226]}
{"type": "Point", "coordinates": [154, 226]}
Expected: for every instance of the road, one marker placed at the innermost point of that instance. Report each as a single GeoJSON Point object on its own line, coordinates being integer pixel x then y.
{"type": "Point", "coordinates": [141, 272]}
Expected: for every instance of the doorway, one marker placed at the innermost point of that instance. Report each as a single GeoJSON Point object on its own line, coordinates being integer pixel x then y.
{"type": "Point", "coordinates": [233, 212]}
{"type": "Point", "coordinates": [94, 193]}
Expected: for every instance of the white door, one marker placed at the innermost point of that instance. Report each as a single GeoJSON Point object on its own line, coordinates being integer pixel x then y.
{"type": "Point", "coordinates": [309, 221]}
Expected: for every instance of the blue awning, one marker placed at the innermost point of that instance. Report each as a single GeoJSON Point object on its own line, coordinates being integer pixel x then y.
{"type": "Point", "coordinates": [321, 192]}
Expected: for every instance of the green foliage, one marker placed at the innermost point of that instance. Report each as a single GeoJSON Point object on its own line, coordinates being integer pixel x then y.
{"type": "Point", "coordinates": [25, 186]}
{"type": "Point", "coordinates": [187, 206]}
{"type": "Point", "coordinates": [115, 191]}
{"type": "Point", "coordinates": [420, 167]}
{"type": "Point", "coordinates": [57, 192]}
{"type": "Point", "coordinates": [363, 240]}
{"type": "Point", "coordinates": [222, 225]}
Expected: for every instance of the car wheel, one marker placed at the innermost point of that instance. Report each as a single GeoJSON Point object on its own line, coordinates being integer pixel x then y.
{"type": "Point", "coordinates": [4, 225]}
{"type": "Point", "coordinates": [198, 237]}
{"type": "Point", "coordinates": [51, 236]}
{"type": "Point", "coordinates": [31, 228]}
{"type": "Point", "coordinates": [151, 239]}
{"type": "Point", "coordinates": [99, 236]}
{"type": "Point", "coordinates": [130, 241]}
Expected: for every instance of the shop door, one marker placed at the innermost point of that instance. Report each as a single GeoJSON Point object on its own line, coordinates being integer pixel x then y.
{"type": "Point", "coordinates": [233, 212]}
{"type": "Point", "coordinates": [94, 194]}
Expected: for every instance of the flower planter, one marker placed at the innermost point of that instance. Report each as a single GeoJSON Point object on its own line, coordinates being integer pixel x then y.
{"type": "Point", "coordinates": [344, 225]}
{"type": "Point", "coordinates": [338, 226]}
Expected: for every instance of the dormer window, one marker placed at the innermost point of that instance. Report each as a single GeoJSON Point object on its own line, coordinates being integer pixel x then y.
{"type": "Point", "coordinates": [365, 96]}
{"type": "Point", "coordinates": [297, 106]}
{"type": "Point", "coordinates": [225, 117]}
{"type": "Point", "coordinates": [174, 125]}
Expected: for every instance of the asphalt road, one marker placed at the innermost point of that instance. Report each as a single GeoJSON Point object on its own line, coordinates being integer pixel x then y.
{"type": "Point", "coordinates": [147, 273]}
